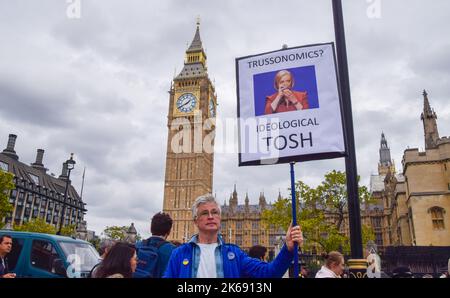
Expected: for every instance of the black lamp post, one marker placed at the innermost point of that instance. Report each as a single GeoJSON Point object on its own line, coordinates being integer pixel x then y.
{"type": "Point", "coordinates": [357, 265]}
{"type": "Point", "coordinates": [70, 164]}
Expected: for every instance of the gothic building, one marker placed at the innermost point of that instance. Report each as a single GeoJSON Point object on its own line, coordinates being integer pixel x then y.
{"type": "Point", "coordinates": [421, 202]}
{"type": "Point", "coordinates": [242, 224]}
{"type": "Point", "coordinates": [411, 207]}
{"type": "Point", "coordinates": [189, 164]}
{"type": "Point", "coordinates": [378, 214]}
{"type": "Point", "coordinates": [417, 201]}
{"type": "Point", "coordinates": [190, 144]}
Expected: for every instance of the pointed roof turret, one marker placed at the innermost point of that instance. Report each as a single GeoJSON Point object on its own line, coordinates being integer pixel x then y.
{"type": "Point", "coordinates": [385, 163]}
{"type": "Point", "coordinates": [383, 142]}
{"type": "Point", "coordinates": [428, 118]}
{"type": "Point", "coordinates": [262, 200]}
{"type": "Point", "coordinates": [247, 201]}
{"type": "Point", "coordinates": [195, 60]}
{"type": "Point", "coordinates": [385, 152]}
{"type": "Point", "coordinates": [196, 44]}
{"type": "Point", "coordinates": [261, 196]}
{"type": "Point", "coordinates": [427, 110]}
{"type": "Point", "coordinates": [234, 198]}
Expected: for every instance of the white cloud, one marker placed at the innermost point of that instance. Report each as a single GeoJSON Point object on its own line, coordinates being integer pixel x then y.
{"type": "Point", "coordinates": [97, 86]}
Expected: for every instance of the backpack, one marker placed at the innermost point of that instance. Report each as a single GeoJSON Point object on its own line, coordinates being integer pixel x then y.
{"type": "Point", "coordinates": [147, 254]}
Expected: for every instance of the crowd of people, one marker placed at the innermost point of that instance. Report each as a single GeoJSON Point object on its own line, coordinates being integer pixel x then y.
{"type": "Point", "coordinates": [205, 255]}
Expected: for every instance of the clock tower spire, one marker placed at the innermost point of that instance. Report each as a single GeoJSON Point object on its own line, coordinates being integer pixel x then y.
{"type": "Point", "coordinates": [195, 58]}
{"type": "Point", "coordinates": [190, 144]}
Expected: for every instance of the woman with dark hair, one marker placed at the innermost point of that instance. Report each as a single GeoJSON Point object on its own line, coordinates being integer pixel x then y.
{"type": "Point", "coordinates": [120, 262]}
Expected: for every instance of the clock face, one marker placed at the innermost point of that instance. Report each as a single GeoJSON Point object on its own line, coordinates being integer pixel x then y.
{"type": "Point", "coordinates": [212, 111]}
{"type": "Point", "coordinates": [186, 102]}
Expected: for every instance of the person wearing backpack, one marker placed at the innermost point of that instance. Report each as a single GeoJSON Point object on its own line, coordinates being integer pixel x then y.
{"type": "Point", "coordinates": [154, 253]}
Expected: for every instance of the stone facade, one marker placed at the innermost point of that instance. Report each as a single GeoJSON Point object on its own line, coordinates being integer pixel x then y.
{"type": "Point", "coordinates": [242, 224]}
{"type": "Point", "coordinates": [37, 194]}
{"type": "Point", "coordinates": [189, 164]}
{"type": "Point", "coordinates": [411, 208]}
{"type": "Point", "coordinates": [427, 185]}
{"type": "Point", "coordinates": [417, 201]}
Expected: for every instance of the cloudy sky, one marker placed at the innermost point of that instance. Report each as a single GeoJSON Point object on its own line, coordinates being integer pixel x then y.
{"type": "Point", "coordinates": [90, 81]}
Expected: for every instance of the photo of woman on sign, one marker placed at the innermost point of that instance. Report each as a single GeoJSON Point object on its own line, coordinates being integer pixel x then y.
{"type": "Point", "coordinates": [285, 99]}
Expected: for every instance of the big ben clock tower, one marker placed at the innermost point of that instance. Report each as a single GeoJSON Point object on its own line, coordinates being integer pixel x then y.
{"type": "Point", "coordinates": [189, 160]}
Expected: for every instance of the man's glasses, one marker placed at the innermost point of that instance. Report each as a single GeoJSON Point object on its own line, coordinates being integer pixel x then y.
{"type": "Point", "coordinates": [206, 213]}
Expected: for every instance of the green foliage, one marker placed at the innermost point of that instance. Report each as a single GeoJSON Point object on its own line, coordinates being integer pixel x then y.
{"type": "Point", "coordinates": [95, 242]}
{"type": "Point", "coordinates": [116, 233]}
{"type": "Point", "coordinates": [37, 225]}
{"type": "Point", "coordinates": [322, 213]}
{"type": "Point", "coordinates": [368, 234]}
{"type": "Point", "coordinates": [70, 230]}
{"type": "Point", "coordinates": [6, 185]}
{"type": "Point", "coordinates": [279, 215]}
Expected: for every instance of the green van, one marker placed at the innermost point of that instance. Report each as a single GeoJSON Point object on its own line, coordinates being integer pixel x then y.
{"type": "Point", "coordinates": [49, 256]}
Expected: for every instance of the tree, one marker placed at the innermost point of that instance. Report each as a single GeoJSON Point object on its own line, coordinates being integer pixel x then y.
{"type": "Point", "coordinates": [36, 225]}
{"type": "Point", "coordinates": [39, 225]}
{"type": "Point", "coordinates": [116, 233]}
{"type": "Point", "coordinates": [70, 230]}
{"type": "Point", "coordinates": [95, 242]}
{"type": "Point", "coordinates": [321, 214]}
{"type": "Point", "coordinates": [333, 192]}
{"type": "Point", "coordinates": [368, 234]}
{"type": "Point", "coordinates": [6, 185]}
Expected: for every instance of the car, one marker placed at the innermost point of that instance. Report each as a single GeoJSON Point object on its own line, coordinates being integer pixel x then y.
{"type": "Point", "coordinates": [36, 255]}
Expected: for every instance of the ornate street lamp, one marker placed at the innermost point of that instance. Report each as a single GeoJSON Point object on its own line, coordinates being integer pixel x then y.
{"type": "Point", "coordinates": [70, 165]}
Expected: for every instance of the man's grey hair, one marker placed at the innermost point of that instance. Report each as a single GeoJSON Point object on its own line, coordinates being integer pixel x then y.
{"type": "Point", "coordinates": [106, 244]}
{"type": "Point", "coordinates": [208, 198]}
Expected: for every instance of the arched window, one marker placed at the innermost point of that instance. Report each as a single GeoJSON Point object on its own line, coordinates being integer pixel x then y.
{"type": "Point", "coordinates": [437, 217]}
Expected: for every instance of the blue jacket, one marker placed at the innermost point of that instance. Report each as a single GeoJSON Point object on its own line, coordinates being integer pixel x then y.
{"type": "Point", "coordinates": [231, 262]}
{"type": "Point", "coordinates": [164, 253]}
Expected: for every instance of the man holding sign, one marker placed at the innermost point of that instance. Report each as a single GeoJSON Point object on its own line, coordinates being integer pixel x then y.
{"type": "Point", "coordinates": [206, 255]}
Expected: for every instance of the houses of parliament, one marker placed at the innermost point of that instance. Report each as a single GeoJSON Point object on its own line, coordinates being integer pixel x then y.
{"type": "Point", "coordinates": [412, 207]}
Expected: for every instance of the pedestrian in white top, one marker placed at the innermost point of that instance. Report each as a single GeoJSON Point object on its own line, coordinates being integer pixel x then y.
{"type": "Point", "coordinates": [333, 267]}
